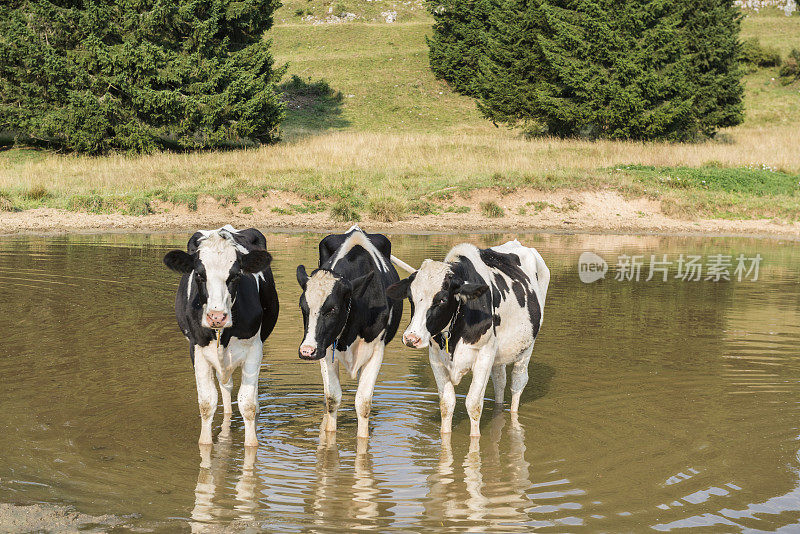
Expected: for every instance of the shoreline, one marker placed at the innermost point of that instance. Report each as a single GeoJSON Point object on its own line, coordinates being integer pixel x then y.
{"type": "Point", "coordinates": [600, 212]}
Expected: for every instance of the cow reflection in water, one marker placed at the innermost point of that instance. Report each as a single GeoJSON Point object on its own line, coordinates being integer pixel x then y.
{"type": "Point", "coordinates": [334, 497]}
{"type": "Point", "coordinates": [212, 474]}
{"type": "Point", "coordinates": [446, 499]}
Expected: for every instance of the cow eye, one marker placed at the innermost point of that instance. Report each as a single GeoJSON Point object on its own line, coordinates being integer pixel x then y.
{"type": "Point", "coordinates": [332, 310]}
{"type": "Point", "coordinates": [442, 301]}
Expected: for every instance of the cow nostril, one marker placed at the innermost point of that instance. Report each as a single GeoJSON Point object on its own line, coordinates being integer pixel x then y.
{"type": "Point", "coordinates": [307, 351]}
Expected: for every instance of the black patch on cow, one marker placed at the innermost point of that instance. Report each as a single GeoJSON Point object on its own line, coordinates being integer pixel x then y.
{"type": "Point", "coordinates": [519, 292]}
{"type": "Point", "coordinates": [496, 296]}
{"type": "Point", "coordinates": [255, 302]}
{"type": "Point", "coordinates": [363, 311]}
{"type": "Point", "coordinates": [465, 320]}
{"type": "Point", "coordinates": [501, 284]}
{"type": "Point", "coordinates": [510, 265]}
{"type": "Point", "coordinates": [332, 243]}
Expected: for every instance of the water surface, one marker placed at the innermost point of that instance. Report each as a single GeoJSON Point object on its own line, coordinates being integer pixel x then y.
{"type": "Point", "coordinates": [651, 405]}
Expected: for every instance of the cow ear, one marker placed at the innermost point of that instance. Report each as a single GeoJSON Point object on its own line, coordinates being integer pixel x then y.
{"type": "Point", "coordinates": [179, 261]}
{"type": "Point", "coordinates": [469, 290]}
{"type": "Point", "coordinates": [360, 284]}
{"type": "Point", "coordinates": [255, 261]}
{"type": "Point", "coordinates": [302, 276]}
{"type": "Point", "coordinates": [399, 290]}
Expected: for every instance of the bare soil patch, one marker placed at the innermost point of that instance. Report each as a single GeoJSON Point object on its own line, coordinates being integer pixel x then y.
{"type": "Point", "coordinates": [522, 211]}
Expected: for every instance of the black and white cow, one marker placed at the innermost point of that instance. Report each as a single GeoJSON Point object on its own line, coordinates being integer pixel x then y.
{"type": "Point", "coordinates": [347, 316]}
{"type": "Point", "coordinates": [482, 308]}
{"type": "Point", "coordinates": [226, 307]}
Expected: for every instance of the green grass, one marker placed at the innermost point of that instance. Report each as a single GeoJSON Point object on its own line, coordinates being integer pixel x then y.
{"type": "Point", "coordinates": [382, 73]}
{"type": "Point", "coordinates": [758, 182]}
{"type": "Point", "coordinates": [769, 103]}
{"type": "Point", "coordinates": [716, 192]}
{"type": "Point", "coordinates": [773, 29]}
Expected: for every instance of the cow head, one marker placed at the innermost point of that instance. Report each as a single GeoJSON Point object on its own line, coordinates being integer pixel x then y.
{"type": "Point", "coordinates": [215, 264]}
{"type": "Point", "coordinates": [325, 302]}
{"type": "Point", "coordinates": [434, 292]}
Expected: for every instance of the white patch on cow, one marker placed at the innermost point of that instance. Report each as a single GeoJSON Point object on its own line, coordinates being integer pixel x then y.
{"type": "Point", "coordinates": [259, 277]}
{"type": "Point", "coordinates": [227, 232]}
{"type": "Point", "coordinates": [359, 238]}
{"type": "Point", "coordinates": [189, 287]}
{"type": "Point", "coordinates": [217, 252]}
{"type": "Point", "coordinates": [428, 281]}
{"type": "Point", "coordinates": [318, 289]}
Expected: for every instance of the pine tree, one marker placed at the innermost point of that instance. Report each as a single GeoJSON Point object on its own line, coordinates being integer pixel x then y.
{"type": "Point", "coordinates": [627, 69]}
{"type": "Point", "coordinates": [138, 75]}
{"type": "Point", "coordinates": [457, 44]}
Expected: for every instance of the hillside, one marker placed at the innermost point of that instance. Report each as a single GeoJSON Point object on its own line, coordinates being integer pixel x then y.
{"type": "Point", "coordinates": [371, 134]}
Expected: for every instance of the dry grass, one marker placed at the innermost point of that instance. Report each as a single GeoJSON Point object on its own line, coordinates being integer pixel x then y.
{"type": "Point", "coordinates": [380, 160]}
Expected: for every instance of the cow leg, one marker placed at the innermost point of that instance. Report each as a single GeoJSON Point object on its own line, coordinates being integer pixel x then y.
{"type": "Point", "coordinates": [499, 383]}
{"type": "Point", "coordinates": [226, 388]}
{"type": "Point", "coordinates": [206, 396]}
{"type": "Point", "coordinates": [480, 378]}
{"type": "Point", "coordinates": [519, 377]}
{"type": "Point", "coordinates": [447, 395]}
{"type": "Point", "coordinates": [333, 391]}
{"type": "Point", "coordinates": [366, 385]}
{"type": "Point", "coordinates": [248, 393]}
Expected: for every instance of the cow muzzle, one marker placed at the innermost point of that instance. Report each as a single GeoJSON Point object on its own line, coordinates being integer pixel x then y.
{"type": "Point", "coordinates": [307, 352]}
{"type": "Point", "coordinates": [217, 319]}
{"type": "Point", "coordinates": [413, 341]}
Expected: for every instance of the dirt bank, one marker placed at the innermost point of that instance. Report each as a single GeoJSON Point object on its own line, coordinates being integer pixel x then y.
{"type": "Point", "coordinates": [523, 211]}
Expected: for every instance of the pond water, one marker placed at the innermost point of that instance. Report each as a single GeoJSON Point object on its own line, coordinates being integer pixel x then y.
{"type": "Point", "coordinates": [651, 405]}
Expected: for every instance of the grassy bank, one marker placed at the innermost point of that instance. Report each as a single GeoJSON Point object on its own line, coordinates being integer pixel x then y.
{"type": "Point", "coordinates": [370, 132]}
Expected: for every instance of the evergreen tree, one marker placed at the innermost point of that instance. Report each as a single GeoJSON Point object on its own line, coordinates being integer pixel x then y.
{"type": "Point", "coordinates": [627, 69]}
{"type": "Point", "coordinates": [457, 45]}
{"type": "Point", "coordinates": [136, 75]}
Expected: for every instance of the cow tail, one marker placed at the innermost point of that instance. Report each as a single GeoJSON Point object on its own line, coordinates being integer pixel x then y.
{"type": "Point", "coordinates": [403, 265]}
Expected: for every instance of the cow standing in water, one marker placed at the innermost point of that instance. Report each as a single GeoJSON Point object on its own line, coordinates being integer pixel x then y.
{"type": "Point", "coordinates": [482, 308]}
{"type": "Point", "coordinates": [347, 316]}
{"type": "Point", "coordinates": [226, 307]}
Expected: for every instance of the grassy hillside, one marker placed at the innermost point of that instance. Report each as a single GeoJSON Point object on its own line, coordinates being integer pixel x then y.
{"type": "Point", "coordinates": [369, 130]}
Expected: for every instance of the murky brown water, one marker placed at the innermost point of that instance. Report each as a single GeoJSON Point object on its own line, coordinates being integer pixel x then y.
{"type": "Point", "coordinates": [654, 405]}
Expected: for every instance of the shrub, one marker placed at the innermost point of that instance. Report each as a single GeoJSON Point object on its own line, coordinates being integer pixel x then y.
{"type": "Point", "coordinates": [138, 75]}
{"type": "Point", "coordinates": [37, 192]}
{"type": "Point", "coordinates": [386, 209]}
{"type": "Point", "coordinates": [790, 71]}
{"type": "Point", "coordinates": [490, 209]}
{"type": "Point", "coordinates": [643, 69]}
{"type": "Point", "coordinates": [755, 55]}
{"type": "Point", "coordinates": [343, 211]}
